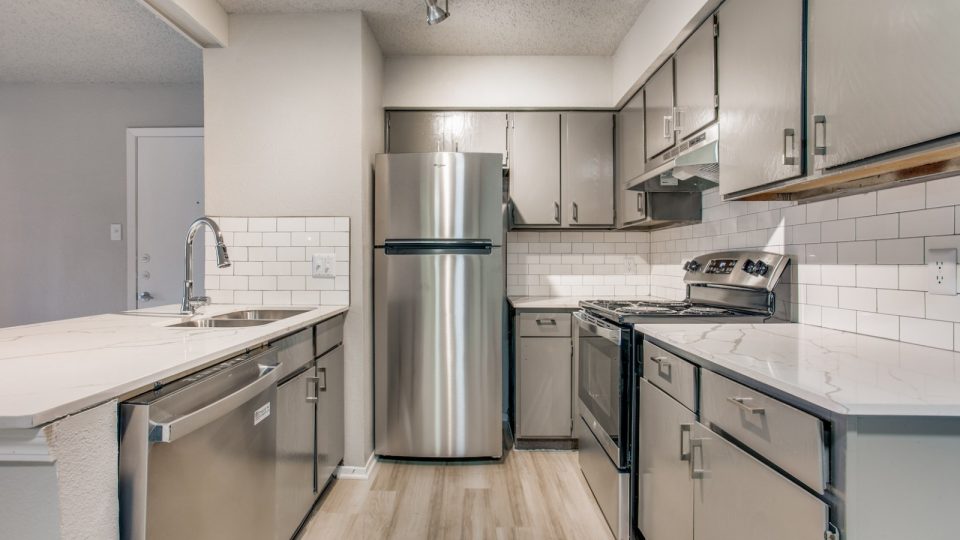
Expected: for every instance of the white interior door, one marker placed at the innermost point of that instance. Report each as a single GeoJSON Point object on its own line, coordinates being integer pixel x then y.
{"type": "Point", "coordinates": [169, 196]}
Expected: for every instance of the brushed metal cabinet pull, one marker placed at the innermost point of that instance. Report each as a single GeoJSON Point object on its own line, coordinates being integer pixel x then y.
{"type": "Point", "coordinates": [820, 127]}
{"type": "Point", "coordinates": [742, 403]}
{"type": "Point", "coordinates": [312, 383]}
{"type": "Point", "coordinates": [667, 132]}
{"type": "Point", "coordinates": [677, 119]}
{"type": "Point", "coordinates": [576, 212]}
{"type": "Point", "coordinates": [789, 159]}
{"type": "Point", "coordinates": [697, 472]}
{"type": "Point", "coordinates": [546, 322]}
{"type": "Point", "coordinates": [556, 211]}
{"type": "Point", "coordinates": [322, 373]}
{"type": "Point", "coordinates": [685, 430]}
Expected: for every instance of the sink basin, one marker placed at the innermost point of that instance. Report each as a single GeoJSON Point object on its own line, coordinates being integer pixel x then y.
{"type": "Point", "coordinates": [259, 314]}
{"type": "Point", "coordinates": [220, 323]}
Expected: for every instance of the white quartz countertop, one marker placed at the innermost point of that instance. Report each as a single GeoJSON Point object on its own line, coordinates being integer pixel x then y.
{"type": "Point", "coordinates": [564, 302]}
{"type": "Point", "coordinates": [54, 369]}
{"type": "Point", "coordinates": [845, 373]}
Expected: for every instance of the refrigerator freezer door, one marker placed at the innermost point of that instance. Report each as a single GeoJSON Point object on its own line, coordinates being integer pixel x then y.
{"type": "Point", "coordinates": [438, 374]}
{"type": "Point", "coordinates": [438, 196]}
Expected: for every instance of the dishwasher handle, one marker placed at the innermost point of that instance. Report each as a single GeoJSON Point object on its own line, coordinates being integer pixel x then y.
{"type": "Point", "coordinates": [167, 432]}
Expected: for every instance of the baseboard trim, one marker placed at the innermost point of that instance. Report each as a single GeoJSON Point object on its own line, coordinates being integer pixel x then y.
{"type": "Point", "coordinates": [346, 472]}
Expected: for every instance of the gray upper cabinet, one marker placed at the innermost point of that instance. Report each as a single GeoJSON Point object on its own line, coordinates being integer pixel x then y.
{"type": "Point", "coordinates": [480, 132]}
{"type": "Point", "coordinates": [760, 74]}
{"type": "Point", "coordinates": [450, 131]}
{"type": "Point", "coordinates": [586, 171]}
{"type": "Point", "coordinates": [883, 76]}
{"type": "Point", "coordinates": [630, 139]}
{"type": "Point", "coordinates": [696, 82]}
{"type": "Point", "coordinates": [535, 168]}
{"type": "Point", "coordinates": [415, 131]}
{"type": "Point", "coordinates": [658, 111]}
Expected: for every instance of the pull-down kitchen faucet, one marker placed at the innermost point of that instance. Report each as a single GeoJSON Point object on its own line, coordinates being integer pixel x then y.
{"type": "Point", "coordinates": [190, 303]}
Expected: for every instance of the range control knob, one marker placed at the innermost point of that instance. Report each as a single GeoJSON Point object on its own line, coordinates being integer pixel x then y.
{"type": "Point", "coordinates": [748, 266]}
{"type": "Point", "coordinates": [691, 266]}
{"type": "Point", "coordinates": [760, 268]}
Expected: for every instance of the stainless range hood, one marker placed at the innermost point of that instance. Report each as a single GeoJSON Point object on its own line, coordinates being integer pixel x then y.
{"type": "Point", "coordinates": [693, 165]}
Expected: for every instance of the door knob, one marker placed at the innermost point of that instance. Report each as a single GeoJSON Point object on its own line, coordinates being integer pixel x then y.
{"type": "Point", "coordinates": [145, 296]}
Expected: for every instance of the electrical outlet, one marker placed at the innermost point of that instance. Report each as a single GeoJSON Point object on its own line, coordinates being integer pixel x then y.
{"type": "Point", "coordinates": [942, 265]}
{"type": "Point", "coordinates": [324, 265]}
{"type": "Point", "coordinates": [631, 264]}
{"type": "Point", "coordinates": [116, 232]}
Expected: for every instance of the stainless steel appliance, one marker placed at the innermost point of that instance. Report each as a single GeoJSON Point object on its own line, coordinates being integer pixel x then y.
{"type": "Point", "coordinates": [198, 456]}
{"type": "Point", "coordinates": [724, 287]}
{"type": "Point", "coordinates": [438, 305]}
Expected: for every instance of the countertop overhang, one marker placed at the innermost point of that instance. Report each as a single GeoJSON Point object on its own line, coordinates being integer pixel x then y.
{"type": "Point", "coordinates": [54, 369]}
{"type": "Point", "coordinates": [833, 372]}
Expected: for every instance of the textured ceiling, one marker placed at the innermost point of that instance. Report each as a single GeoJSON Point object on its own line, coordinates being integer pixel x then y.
{"type": "Point", "coordinates": [476, 27]}
{"type": "Point", "coordinates": [91, 41]}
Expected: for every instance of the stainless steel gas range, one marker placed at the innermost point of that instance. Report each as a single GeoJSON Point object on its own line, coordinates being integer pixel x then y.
{"type": "Point", "coordinates": [723, 287]}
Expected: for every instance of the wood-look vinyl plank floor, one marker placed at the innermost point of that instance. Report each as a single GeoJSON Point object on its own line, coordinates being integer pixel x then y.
{"type": "Point", "coordinates": [530, 495]}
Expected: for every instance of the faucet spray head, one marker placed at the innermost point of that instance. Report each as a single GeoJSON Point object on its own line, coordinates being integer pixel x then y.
{"type": "Point", "coordinates": [223, 259]}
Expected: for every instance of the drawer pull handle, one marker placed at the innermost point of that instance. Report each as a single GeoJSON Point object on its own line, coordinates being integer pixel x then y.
{"type": "Point", "coordinates": [663, 365]}
{"type": "Point", "coordinates": [742, 403]}
{"type": "Point", "coordinates": [685, 437]}
{"type": "Point", "coordinates": [546, 322]}
{"type": "Point", "coordinates": [312, 383]}
{"type": "Point", "coordinates": [697, 472]}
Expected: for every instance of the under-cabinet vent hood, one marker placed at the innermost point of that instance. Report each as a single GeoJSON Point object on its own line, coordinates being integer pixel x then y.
{"type": "Point", "coordinates": [693, 165]}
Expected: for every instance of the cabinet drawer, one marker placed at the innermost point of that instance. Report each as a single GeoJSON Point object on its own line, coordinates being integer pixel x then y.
{"type": "Point", "coordinates": [544, 324]}
{"type": "Point", "coordinates": [328, 335]}
{"type": "Point", "coordinates": [294, 352]}
{"type": "Point", "coordinates": [788, 437]}
{"type": "Point", "coordinates": [670, 373]}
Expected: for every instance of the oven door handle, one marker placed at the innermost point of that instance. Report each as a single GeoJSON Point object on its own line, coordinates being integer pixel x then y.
{"type": "Point", "coordinates": [595, 326]}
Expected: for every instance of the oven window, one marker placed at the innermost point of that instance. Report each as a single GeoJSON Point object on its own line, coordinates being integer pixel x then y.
{"type": "Point", "coordinates": [600, 381]}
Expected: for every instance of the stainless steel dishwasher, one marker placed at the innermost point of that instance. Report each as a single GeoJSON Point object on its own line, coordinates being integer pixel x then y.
{"type": "Point", "coordinates": [198, 456]}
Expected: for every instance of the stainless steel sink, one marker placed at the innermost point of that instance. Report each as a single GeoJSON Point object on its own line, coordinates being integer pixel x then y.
{"type": "Point", "coordinates": [259, 314]}
{"type": "Point", "coordinates": [220, 323]}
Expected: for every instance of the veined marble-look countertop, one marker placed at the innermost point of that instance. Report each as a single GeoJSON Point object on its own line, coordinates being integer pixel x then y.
{"type": "Point", "coordinates": [529, 303]}
{"type": "Point", "coordinates": [841, 372]}
{"type": "Point", "coordinates": [50, 370]}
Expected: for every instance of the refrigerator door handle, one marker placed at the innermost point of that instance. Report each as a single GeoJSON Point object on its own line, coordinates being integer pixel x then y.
{"type": "Point", "coordinates": [438, 247]}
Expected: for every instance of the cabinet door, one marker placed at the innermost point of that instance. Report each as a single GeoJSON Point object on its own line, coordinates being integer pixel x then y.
{"type": "Point", "coordinates": [664, 485]}
{"type": "Point", "coordinates": [760, 70]}
{"type": "Point", "coordinates": [544, 382]}
{"type": "Point", "coordinates": [736, 496]}
{"type": "Point", "coordinates": [883, 76]}
{"type": "Point", "coordinates": [415, 131]}
{"type": "Point", "coordinates": [535, 168]}
{"type": "Point", "coordinates": [586, 170]}
{"type": "Point", "coordinates": [630, 140]}
{"type": "Point", "coordinates": [295, 416]}
{"type": "Point", "coordinates": [483, 132]}
{"type": "Point", "coordinates": [658, 111]}
{"type": "Point", "coordinates": [696, 67]}
{"type": "Point", "coordinates": [330, 431]}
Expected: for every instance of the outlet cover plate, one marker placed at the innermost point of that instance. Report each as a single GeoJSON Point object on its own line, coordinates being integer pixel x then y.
{"type": "Point", "coordinates": [324, 265]}
{"type": "Point", "coordinates": [942, 267]}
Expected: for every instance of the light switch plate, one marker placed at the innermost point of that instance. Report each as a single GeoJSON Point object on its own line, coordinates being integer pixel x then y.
{"type": "Point", "coordinates": [324, 265]}
{"type": "Point", "coordinates": [942, 266]}
{"type": "Point", "coordinates": [116, 232]}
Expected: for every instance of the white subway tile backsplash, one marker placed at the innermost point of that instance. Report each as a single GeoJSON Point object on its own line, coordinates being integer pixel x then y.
{"type": "Point", "coordinates": [874, 227]}
{"type": "Point", "coordinates": [838, 231]}
{"type": "Point", "coordinates": [864, 252]}
{"type": "Point", "coordinates": [895, 302]}
{"type": "Point", "coordinates": [933, 222]}
{"type": "Point", "coordinates": [944, 192]}
{"type": "Point", "coordinates": [901, 199]}
{"type": "Point", "coordinates": [839, 319]}
{"type": "Point", "coordinates": [858, 299]}
{"type": "Point", "coordinates": [876, 324]}
{"type": "Point", "coordinates": [272, 261]}
{"type": "Point", "coordinates": [926, 332]}
{"type": "Point", "coordinates": [943, 308]}
{"type": "Point", "coordinates": [822, 211]}
{"type": "Point", "coordinates": [844, 275]}
{"type": "Point", "coordinates": [900, 251]}
{"type": "Point", "coordinates": [857, 206]}
{"type": "Point", "coordinates": [878, 277]}
{"type": "Point", "coordinates": [913, 277]}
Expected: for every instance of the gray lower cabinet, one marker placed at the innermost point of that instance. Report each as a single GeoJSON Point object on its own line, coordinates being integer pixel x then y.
{"type": "Point", "coordinates": [296, 407]}
{"type": "Point", "coordinates": [737, 496]}
{"type": "Point", "coordinates": [330, 423]}
{"type": "Point", "coordinates": [696, 88]}
{"type": "Point", "coordinates": [535, 168]}
{"type": "Point", "coordinates": [760, 76]}
{"type": "Point", "coordinates": [883, 76]}
{"type": "Point", "coordinates": [544, 382]}
{"type": "Point", "coordinates": [586, 169]}
{"type": "Point", "coordinates": [664, 484]}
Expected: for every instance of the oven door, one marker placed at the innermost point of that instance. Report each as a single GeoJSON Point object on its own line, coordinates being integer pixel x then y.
{"type": "Point", "coordinates": [600, 382]}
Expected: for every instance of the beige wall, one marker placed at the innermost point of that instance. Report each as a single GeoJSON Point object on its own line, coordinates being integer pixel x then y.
{"type": "Point", "coordinates": [293, 117]}
{"type": "Point", "coordinates": [63, 182]}
{"type": "Point", "coordinates": [497, 81]}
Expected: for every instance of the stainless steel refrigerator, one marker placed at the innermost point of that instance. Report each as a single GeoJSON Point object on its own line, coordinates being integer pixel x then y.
{"type": "Point", "coordinates": [438, 299]}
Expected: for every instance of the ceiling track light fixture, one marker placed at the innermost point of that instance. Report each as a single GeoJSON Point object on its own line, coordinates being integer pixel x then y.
{"type": "Point", "coordinates": [435, 13]}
